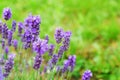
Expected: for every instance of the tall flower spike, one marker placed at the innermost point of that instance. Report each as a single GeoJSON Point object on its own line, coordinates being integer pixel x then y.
{"type": "Point", "coordinates": [10, 34]}
{"type": "Point", "coordinates": [7, 13]}
{"type": "Point", "coordinates": [3, 43]}
{"type": "Point", "coordinates": [65, 67]}
{"type": "Point", "coordinates": [59, 35]}
{"type": "Point", "coordinates": [66, 41]}
{"type": "Point", "coordinates": [47, 38]}
{"type": "Point", "coordinates": [14, 26]}
{"type": "Point", "coordinates": [40, 46]}
{"type": "Point", "coordinates": [38, 61]}
{"type": "Point", "coordinates": [87, 75]}
{"type": "Point", "coordinates": [9, 65]}
{"type": "Point", "coordinates": [61, 51]}
{"type": "Point", "coordinates": [20, 28]}
{"type": "Point", "coordinates": [51, 49]}
{"type": "Point", "coordinates": [6, 49]}
{"type": "Point", "coordinates": [72, 61]}
{"type": "Point", "coordinates": [15, 44]}
{"type": "Point", "coordinates": [4, 31]}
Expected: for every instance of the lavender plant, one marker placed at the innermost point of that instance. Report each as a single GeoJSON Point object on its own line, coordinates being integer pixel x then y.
{"type": "Point", "coordinates": [28, 33]}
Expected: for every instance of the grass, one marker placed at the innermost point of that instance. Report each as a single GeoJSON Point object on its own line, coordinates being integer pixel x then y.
{"type": "Point", "coordinates": [95, 31]}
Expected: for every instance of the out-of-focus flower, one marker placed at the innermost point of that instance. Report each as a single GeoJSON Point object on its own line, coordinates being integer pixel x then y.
{"type": "Point", "coordinates": [51, 49]}
{"type": "Point", "coordinates": [33, 23]}
{"type": "Point", "coordinates": [65, 67]}
{"type": "Point", "coordinates": [38, 61]}
{"type": "Point", "coordinates": [14, 26]}
{"type": "Point", "coordinates": [9, 65]}
{"type": "Point", "coordinates": [10, 35]}
{"type": "Point", "coordinates": [7, 13]}
{"type": "Point", "coordinates": [3, 43]}
{"type": "Point", "coordinates": [47, 38]}
{"type": "Point", "coordinates": [15, 43]}
{"type": "Point", "coordinates": [66, 40]}
{"type": "Point", "coordinates": [20, 28]}
{"type": "Point", "coordinates": [40, 46]}
{"type": "Point", "coordinates": [0, 27]}
{"type": "Point", "coordinates": [59, 35]}
{"type": "Point", "coordinates": [60, 51]}
{"type": "Point", "coordinates": [87, 75]}
{"type": "Point", "coordinates": [6, 49]}
{"type": "Point", "coordinates": [4, 31]}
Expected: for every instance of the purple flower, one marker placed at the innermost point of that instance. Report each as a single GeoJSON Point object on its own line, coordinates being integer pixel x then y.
{"type": "Point", "coordinates": [3, 43]}
{"type": "Point", "coordinates": [6, 49]}
{"type": "Point", "coordinates": [7, 13]}
{"type": "Point", "coordinates": [27, 39]}
{"type": "Point", "coordinates": [14, 26]}
{"type": "Point", "coordinates": [20, 27]}
{"type": "Point", "coordinates": [65, 67]}
{"type": "Point", "coordinates": [59, 35]}
{"type": "Point", "coordinates": [15, 44]}
{"type": "Point", "coordinates": [51, 49]}
{"type": "Point", "coordinates": [47, 38]}
{"type": "Point", "coordinates": [4, 31]}
{"type": "Point", "coordinates": [61, 51]}
{"type": "Point", "coordinates": [1, 74]}
{"type": "Point", "coordinates": [0, 27]}
{"type": "Point", "coordinates": [10, 34]}
{"type": "Point", "coordinates": [66, 40]}
{"type": "Point", "coordinates": [33, 23]}
{"type": "Point", "coordinates": [38, 61]}
{"type": "Point", "coordinates": [72, 61]}
{"type": "Point", "coordinates": [40, 46]}
{"type": "Point", "coordinates": [87, 75]}
{"type": "Point", "coordinates": [9, 65]}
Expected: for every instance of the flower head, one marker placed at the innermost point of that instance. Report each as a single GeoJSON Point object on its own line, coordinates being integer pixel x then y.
{"type": "Point", "coordinates": [15, 43]}
{"type": "Point", "coordinates": [7, 13]}
{"type": "Point", "coordinates": [4, 31]}
{"type": "Point", "coordinates": [87, 75]}
{"type": "Point", "coordinates": [51, 49]}
{"type": "Point", "coordinates": [20, 28]}
{"type": "Point", "coordinates": [10, 34]}
{"type": "Point", "coordinates": [14, 26]}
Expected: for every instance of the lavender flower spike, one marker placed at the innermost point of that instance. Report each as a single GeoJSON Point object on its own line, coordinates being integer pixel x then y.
{"type": "Point", "coordinates": [14, 26]}
{"type": "Point", "coordinates": [4, 31]}
{"type": "Point", "coordinates": [20, 28]}
{"type": "Point", "coordinates": [9, 65]}
{"type": "Point", "coordinates": [87, 75]}
{"type": "Point", "coordinates": [38, 61]}
{"type": "Point", "coordinates": [7, 13]}
{"type": "Point", "coordinates": [51, 49]}
{"type": "Point", "coordinates": [6, 49]}
{"type": "Point", "coordinates": [59, 35]}
{"type": "Point", "coordinates": [66, 41]}
{"type": "Point", "coordinates": [10, 34]}
{"type": "Point", "coordinates": [15, 44]}
{"type": "Point", "coordinates": [1, 27]}
{"type": "Point", "coordinates": [65, 67]}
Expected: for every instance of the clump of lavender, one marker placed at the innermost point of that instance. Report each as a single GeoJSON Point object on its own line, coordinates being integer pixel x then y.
{"type": "Point", "coordinates": [59, 35]}
{"type": "Point", "coordinates": [38, 61]}
{"type": "Point", "coordinates": [40, 46]}
{"type": "Point", "coordinates": [4, 31]}
{"type": "Point", "coordinates": [7, 13]}
{"type": "Point", "coordinates": [51, 49]}
{"type": "Point", "coordinates": [14, 26]}
{"type": "Point", "coordinates": [87, 75]}
{"type": "Point", "coordinates": [10, 34]}
{"type": "Point", "coordinates": [9, 65]}
{"type": "Point", "coordinates": [66, 41]}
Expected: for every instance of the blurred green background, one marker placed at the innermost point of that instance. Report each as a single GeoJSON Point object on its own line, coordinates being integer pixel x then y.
{"type": "Point", "coordinates": [95, 26]}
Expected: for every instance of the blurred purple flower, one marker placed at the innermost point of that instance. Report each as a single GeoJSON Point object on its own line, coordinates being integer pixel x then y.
{"type": "Point", "coordinates": [60, 51]}
{"type": "Point", "coordinates": [6, 49]}
{"type": "Point", "coordinates": [4, 31]}
{"type": "Point", "coordinates": [14, 26]}
{"type": "Point", "coordinates": [7, 13]}
{"type": "Point", "coordinates": [20, 28]}
{"type": "Point", "coordinates": [65, 66]}
{"type": "Point", "coordinates": [66, 41]}
{"type": "Point", "coordinates": [15, 43]}
{"type": "Point", "coordinates": [0, 27]}
{"type": "Point", "coordinates": [38, 61]}
{"type": "Point", "coordinates": [1, 74]}
{"type": "Point", "coordinates": [59, 35]}
{"type": "Point", "coordinates": [3, 43]}
{"type": "Point", "coordinates": [87, 75]}
{"type": "Point", "coordinates": [40, 46]}
{"type": "Point", "coordinates": [10, 35]}
{"type": "Point", "coordinates": [9, 65]}
{"type": "Point", "coordinates": [51, 49]}
{"type": "Point", "coordinates": [47, 38]}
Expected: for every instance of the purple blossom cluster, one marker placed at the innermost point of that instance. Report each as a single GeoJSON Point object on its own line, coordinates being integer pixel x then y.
{"type": "Point", "coordinates": [87, 75]}
{"type": "Point", "coordinates": [28, 33]}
